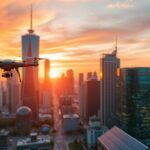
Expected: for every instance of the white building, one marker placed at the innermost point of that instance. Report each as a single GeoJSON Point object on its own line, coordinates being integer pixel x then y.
{"type": "Point", "coordinates": [35, 142]}
{"type": "Point", "coordinates": [71, 122]}
{"type": "Point", "coordinates": [93, 131]}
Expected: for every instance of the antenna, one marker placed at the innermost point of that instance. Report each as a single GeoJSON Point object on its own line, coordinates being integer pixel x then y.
{"type": "Point", "coordinates": [116, 44]}
{"type": "Point", "coordinates": [31, 20]}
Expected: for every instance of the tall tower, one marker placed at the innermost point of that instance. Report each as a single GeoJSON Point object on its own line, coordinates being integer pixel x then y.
{"type": "Point", "coordinates": [13, 92]}
{"type": "Point", "coordinates": [92, 98]}
{"type": "Point", "coordinates": [134, 102]}
{"type": "Point", "coordinates": [30, 48]}
{"type": "Point", "coordinates": [81, 95]}
{"type": "Point", "coordinates": [70, 81]}
{"type": "Point", "coordinates": [47, 71]}
{"type": "Point", "coordinates": [109, 65]}
{"type": "Point", "coordinates": [45, 106]}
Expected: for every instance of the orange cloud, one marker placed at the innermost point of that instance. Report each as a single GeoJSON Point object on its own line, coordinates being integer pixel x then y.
{"type": "Point", "coordinates": [76, 45]}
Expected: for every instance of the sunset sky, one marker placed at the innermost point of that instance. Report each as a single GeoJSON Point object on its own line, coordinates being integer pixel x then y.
{"type": "Point", "coordinates": [74, 33]}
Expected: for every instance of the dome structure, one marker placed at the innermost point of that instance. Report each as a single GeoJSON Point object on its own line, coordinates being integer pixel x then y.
{"type": "Point", "coordinates": [24, 111]}
{"type": "Point", "coordinates": [45, 129]}
{"type": "Point", "coordinates": [23, 120]}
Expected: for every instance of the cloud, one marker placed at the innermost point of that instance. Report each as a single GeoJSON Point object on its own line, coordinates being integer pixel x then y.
{"type": "Point", "coordinates": [78, 33]}
{"type": "Point", "coordinates": [67, 1]}
{"type": "Point", "coordinates": [125, 4]}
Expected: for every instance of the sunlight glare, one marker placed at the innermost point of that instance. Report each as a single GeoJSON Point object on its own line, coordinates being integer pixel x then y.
{"type": "Point", "coordinates": [54, 73]}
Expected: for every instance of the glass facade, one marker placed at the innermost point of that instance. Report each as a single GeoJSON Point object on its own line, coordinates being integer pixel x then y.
{"type": "Point", "coordinates": [133, 108]}
{"type": "Point", "coordinates": [30, 49]}
{"type": "Point", "coordinates": [109, 66]}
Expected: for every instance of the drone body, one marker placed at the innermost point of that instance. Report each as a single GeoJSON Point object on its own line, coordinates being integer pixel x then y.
{"type": "Point", "coordinates": [8, 65]}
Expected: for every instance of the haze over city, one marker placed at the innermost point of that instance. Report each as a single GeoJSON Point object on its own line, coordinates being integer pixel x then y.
{"type": "Point", "coordinates": [74, 33]}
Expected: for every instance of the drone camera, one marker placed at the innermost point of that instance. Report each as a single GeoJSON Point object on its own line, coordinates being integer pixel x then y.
{"type": "Point", "coordinates": [7, 75]}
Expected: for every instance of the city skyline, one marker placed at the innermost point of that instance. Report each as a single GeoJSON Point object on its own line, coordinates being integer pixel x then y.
{"type": "Point", "coordinates": [98, 41]}
{"type": "Point", "coordinates": [74, 33]}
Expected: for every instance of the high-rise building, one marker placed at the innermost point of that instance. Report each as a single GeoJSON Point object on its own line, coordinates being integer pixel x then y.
{"type": "Point", "coordinates": [81, 95]}
{"type": "Point", "coordinates": [70, 81]}
{"type": "Point", "coordinates": [13, 93]}
{"type": "Point", "coordinates": [67, 82]}
{"type": "Point", "coordinates": [45, 108]}
{"type": "Point", "coordinates": [89, 75]}
{"type": "Point", "coordinates": [133, 105]}
{"type": "Point", "coordinates": [30, 48]}
{"type": "Point", "coordinates": [47, 76]}
{"type": "Point", "coordinates": [46, 90]}
{"type": "Point", "coordinates": [109, 66]}
{"type": "Point", "coordinates": [2, 99]}
{"type": "Point", "coordinates": [66, 104]}
{"type": "Point", "coordinates": [4, 140]}
{"type": "Point", "coordinates": [81, 79]}
{"type": "Point", "coordinates": [5, 102]}
{"type": "Point", "coordinates": [91, 98]}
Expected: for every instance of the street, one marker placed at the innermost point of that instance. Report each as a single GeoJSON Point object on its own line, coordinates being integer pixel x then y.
{"type": "Point", "coordinates": [59, 138]}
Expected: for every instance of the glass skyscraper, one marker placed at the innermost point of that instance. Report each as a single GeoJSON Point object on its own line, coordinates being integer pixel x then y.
{"type": "Point", "coordinates": [133, 104]}
{"type": "Point", "coordinates": [109, 65]}
{"type": "Point", "coordinates": [30, 49]}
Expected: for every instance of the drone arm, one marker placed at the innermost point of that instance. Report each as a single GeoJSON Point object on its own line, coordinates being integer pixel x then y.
{"type": "Point", "coordinates": [18, 73]}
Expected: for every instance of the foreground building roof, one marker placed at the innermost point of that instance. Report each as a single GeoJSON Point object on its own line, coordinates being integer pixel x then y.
{"type": "Point", "coordinates": [117, 139]}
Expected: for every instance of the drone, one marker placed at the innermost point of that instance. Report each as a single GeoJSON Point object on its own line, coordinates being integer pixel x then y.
{"type": "Point", "coordinates": [7, 65]}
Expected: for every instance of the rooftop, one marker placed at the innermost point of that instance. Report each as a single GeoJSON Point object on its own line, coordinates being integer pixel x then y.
{"type": "Point", "coordinates": [23, 111]}
{"type": "Point", "coordinates": [117, 139]}
{"type": "Point", "coordinates": [3, 132]}
{"type": "Point", "coordinates": [40, 140]}
{"type": "Point", "coordinates": [71, 116]}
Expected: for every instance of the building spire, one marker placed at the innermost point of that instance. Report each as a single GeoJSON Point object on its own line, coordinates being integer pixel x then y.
{"type": "Point", "coordinates": [116, 44]}
{"type": "Point", "coordinates": [31, 17]}
{"type": "Point", "coordinates": [31, 22]}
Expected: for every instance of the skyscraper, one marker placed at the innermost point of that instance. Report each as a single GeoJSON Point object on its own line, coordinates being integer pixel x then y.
{"type": "Point", "coordinates": [30, 48]}
{"type": "Point", "coordinates": [67, 82]}
{"type": "Point", "coordinates": [92, 98]}
{"type": "Point", "coordinates": [134, 102]}
{"type": "Point", "coordinates": [81, 79]}
{"type": "Point", "coordinates": [46, 91]}
{"type": "Point", "coordinates": [13, 92]}
{"type": "Point", "coordinates": [47, 71]}
{"type": "Point", "coordinates": [89, 96]}
{"type": "Point", "coordinates": [81, 95]}
{"type": "Point", "coordinates": [109, 65]}
{"type": "Point", "coordinates": [70, 81]}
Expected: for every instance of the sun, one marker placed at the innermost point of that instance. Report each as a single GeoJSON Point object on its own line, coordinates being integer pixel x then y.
{"type": "Point", "coordinates": [54, 73]}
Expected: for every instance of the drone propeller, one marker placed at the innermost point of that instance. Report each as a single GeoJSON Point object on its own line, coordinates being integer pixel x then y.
{"type": "Point", "coordinates": [35, 58]}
